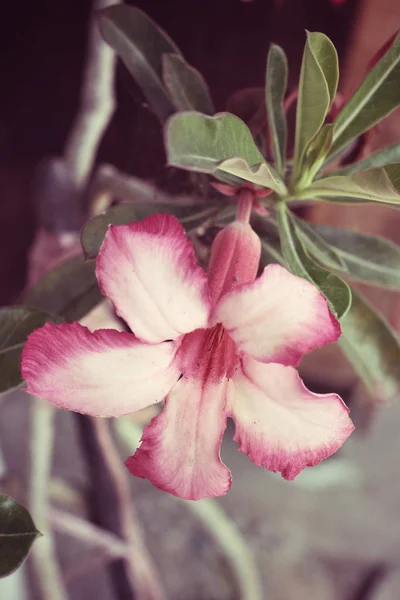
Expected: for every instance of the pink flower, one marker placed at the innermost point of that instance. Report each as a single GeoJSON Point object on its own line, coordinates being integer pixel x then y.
{"type": "Point", "coordinates": [214, 346]}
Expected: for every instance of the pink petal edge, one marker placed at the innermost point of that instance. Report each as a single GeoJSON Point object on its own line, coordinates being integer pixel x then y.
{"type": "Point", "coordinates": [278, 318]}
{"type": "Point", "coordinates": [106, 373]}
{"type": "Point", "coordinates": [279, 423]}
{"type": "Point", "coordinates": [148, 270]}
{"type": "Point", "coordinates": [180, 449]}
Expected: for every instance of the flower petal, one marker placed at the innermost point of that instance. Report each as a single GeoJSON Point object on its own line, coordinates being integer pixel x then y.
{"type": "Point", "coordinates": [180, 448]}
{"type": "Point", "coordinates": [107, 373]}
{"type": "Point", "coordinates": [279, 423]}
{"type": "Point", "coordinates": [149, 272]}
{"type": "Point", "coordinates": [234, 259]}
{"type": "Point", "coordinates": [278, 318]}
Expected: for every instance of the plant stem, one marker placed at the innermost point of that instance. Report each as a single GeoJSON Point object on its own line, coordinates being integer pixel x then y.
{"type": "Point", "coordinates": [141, 570]}
{"type": "Point", "coordinates": [90, 534]}
{"type": "Point", "coordinates": [225, 533]}
{"type": "Point", "coordinates": [135, 578]}
{"type": "Point", "coordinates": [244, 204]}
{"type": "Point", "coordinates": [43, 555]}
{"type": "Point", "coordinates": [132, 189]}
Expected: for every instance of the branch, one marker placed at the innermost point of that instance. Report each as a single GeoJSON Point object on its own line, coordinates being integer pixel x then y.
{"type": "Point", "coordinates": [235, 550]}
{"type": "Point", "coordinates": [132, 189]}
{"type": "Point", "coordinates": [141, 571]}
{"type": "Point", "coordinates": [87, 533]}
{"type": "Point", "coordinates": [97, 105]}
{"type": "Point", "coordinates": [43, 553]}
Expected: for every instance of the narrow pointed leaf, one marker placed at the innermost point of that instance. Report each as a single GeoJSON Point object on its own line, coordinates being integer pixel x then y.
{"type": "Point", "coordinates": [381, 158]}
{"type": "Point", "coordinates": [276, 83]}
{"type": "Point", "coordinates": [335, 290]}
{"type": "Point", "coordinates": [197, 142]}
{"type": "Point", "coordinates": [17, 534]}
{"type": "Point", "coordinates": [140, 43]}
{"type": "Point", "coordinates": [317, 246]}
{"type": "Point", "coordinates": [316, 153]}
{"type": "Point", "coordinates": [186, 85]}
{"type": "Point", "coordinates": [372, 348]}
{"type": "Point", "coordinates": [94, 231]}
{"type": "Point", "coordinates": [317, 89]}
{"type": "Point", "coordinates": [16, 323]}
{"type": "Point", "coordinates": [69, 291]}
{"type": "Point", "coordinates": [381, 184]}
{"type": "Point", "coordinates": [377, 96]}
{"type": "Point", "coordinates": [366, 258]}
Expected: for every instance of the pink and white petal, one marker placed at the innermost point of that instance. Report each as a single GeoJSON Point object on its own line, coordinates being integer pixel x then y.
{"type": "Point", "coordinates": [148, 270]}
{"type": "Point", "coordinates": [106, 373]}
{"type": "Point", "coordinates": [180, 450]}
{"type": "Point", "coordinates": [279, 423]}
{"type": "Point", "coordinates": [277, 318]}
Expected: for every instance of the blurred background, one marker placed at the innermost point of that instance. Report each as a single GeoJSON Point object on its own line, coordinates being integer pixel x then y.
{"type": "Point", "coordinates": [334, 533]}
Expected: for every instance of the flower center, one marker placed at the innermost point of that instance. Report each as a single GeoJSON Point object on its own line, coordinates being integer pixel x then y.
{"type": "Point", "coordinates": [208, 354]}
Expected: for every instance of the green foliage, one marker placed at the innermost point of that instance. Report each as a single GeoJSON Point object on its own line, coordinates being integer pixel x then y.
{"type": "Point", "coordinates": [381, 158]}
{"type": "Point", "coordinates": [317, 246]}
{"type": "Point", "coordinates": [186, 85]}
{"type": "Point", "coordinates": [17, 534]}
{"type": "Point", "coordinates": [316, 153]}
{"type": "Point", "coordinates": [377, 96]}
{"type": "Point", "coordinates": [317, 88]}
{"type": "Point", "coordinates": [357, 256]}
{"type": "Point", "coordinates": [223, 146]}
{"type": "Point", "coordinates": [372, 348]}
{"type": "Point", "coordinates": [94, 231]}
{"type": "Point", "coordinates": [140, 43]}
{"type": "Point", "coordinates": [69, 291]}
{"type": "Point", "coordinates": [16, 323]}
{"type": "Point", "coordinates": [298, 261]}
{"type": "Point", "coordinates": [200, 143]}
{"type": "Point", "coordinates": [276, 83]}
{"type": "Point", "coordinates": [373, 185]}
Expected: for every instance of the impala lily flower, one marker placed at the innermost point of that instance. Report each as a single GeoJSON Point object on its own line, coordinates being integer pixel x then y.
{"type": "Point", "coordinates": [214, 346]}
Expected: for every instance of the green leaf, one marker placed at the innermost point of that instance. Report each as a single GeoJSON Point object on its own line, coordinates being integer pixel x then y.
{"type": "Point", "coordinates": [335, 290]}
{"type": "Point", "coordinates": [377, 96]}
{"type": "Point", "coordinates": [372, 348]}
{"type": "Point", "coordinates": [381, 158]}
{"type": "Point", "coordinates": [186, 85]}
{"type": "Point", "coordinates": [393, 172]}
{"type": "Point", "coordinates": [263, 175]}
{"type": "Point", "coordinates": [17, 534]}
{"type": "Point", "coordinates": [276, 83]}
{"type": "Point", "coordinates": [94, 231]}
{"type": "Point", "coordinates": [373, 185]}
{"type": "Point", "coordinates": [199, 143]}
{"type": "Point", "coordinates": [316, 153]}
{"type": "Point", "coordinates": [69, 291]}
{"type": "Point", "coordinates": [16, 323]}
{"type": "Point", "coordinates": [317, 245]}
{"type": "Point", "coordinates": [317, 88]}
{"type": "Point", "coordinates": [140, 43]}
{"type": "Point", "coordinates": [366, 258]}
